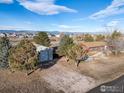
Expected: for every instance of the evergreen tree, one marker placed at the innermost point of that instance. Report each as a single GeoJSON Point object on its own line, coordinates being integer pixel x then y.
{"type": "Point", "coordinates": [23, 56]}
{"type": "Point", "coordinates": [65, 42]}
{"type": "Point", "coordinates": [88, 38]}
{"type": "Point", "coordinates": [70, 50]}
{"type": "Point", "coordinates": [100, 37]}
{"type": "Point", "coordinates": [4, 51]}
{"type": "Point", "coordinates": [75, 52]}
{"type": "Point", "coordinates": [116, 34]}
{"type": "Point", "coordinates": [42, 39]}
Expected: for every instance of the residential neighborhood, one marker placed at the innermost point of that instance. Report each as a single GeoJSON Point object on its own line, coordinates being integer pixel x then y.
{"type": "Point", "coordinates": [61, 46]}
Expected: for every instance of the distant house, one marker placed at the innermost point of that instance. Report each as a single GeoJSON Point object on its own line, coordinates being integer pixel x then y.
{"type": "Point", "coordinates": [45, 54]}
{"type": "Point", "coordinates": [2, 34]}
{"type": "Point", "coordinates": [58, 35]}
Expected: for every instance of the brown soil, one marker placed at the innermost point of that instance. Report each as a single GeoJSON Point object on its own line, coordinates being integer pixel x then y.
{"type": "Point", "coordinates": [63, 77]}
{"type": "Point", "coordinates": [19, 82]}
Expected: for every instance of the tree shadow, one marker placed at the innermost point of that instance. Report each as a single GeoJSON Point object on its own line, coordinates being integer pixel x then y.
{"type": "Point", "coordinates": [48, 64]}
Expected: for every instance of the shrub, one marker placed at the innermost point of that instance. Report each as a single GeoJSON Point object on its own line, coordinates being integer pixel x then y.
{"type": "Point", "coordinates": [100, 37]}
{"type": "Point", "coordinates": [88, 38]}
{"type": "Point", "coordinates": [23, 56]}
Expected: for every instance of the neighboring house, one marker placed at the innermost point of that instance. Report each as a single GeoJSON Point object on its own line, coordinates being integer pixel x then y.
{"type": "Point", "coordinates": [2, 34]}
{"type": "Point", "coordinates": [45, 53]}
{"type": "Point", "coordinates": [58, 35]}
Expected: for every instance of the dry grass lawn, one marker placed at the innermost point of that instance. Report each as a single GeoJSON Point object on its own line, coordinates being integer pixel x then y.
{"type": "Point", "coordinates": [63, 77]}
{"type": "Point", "coordinates": [93, 44]}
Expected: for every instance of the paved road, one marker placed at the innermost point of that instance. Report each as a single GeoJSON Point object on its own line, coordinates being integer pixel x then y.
{"type": "Point", "coordinates": [115, 86]}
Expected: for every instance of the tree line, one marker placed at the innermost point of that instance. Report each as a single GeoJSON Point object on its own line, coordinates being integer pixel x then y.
{"type": "Point", "coordinates": [23, 56]}
{"type": "Point", "coordinates": [76, 53]}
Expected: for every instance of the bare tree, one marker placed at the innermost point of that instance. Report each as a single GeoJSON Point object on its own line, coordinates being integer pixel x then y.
{"type": "Point", "coordinates": [115, 42]}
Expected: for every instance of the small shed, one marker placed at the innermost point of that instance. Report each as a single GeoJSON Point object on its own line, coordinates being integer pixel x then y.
{"type": "Point", "coordinates": [45, 54]}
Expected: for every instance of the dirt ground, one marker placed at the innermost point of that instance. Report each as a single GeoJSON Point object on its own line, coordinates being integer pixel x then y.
{"type": "Point", "coordinates": [63, 77]}
{"type": "Point", "coordinates": [101, 69]}
{"type": "Point", "coordinates": [93, 44]}
{"type": "Point", "coordinates": [19, 82]}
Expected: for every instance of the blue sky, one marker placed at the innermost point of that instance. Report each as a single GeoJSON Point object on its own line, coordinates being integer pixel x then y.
{"type": "Point", "coordinates": [61, 15]}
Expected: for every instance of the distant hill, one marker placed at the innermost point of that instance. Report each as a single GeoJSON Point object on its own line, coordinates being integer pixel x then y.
{"type": "Point", "coordinates": [17, 31]}
{"type": "Point", "coordinates": [7, 31]}
{"type": "Point", "coordinates": [51, 32]}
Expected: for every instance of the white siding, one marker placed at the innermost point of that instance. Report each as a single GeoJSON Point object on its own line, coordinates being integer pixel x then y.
{"type": "Point", "coordinates": [45, 53]}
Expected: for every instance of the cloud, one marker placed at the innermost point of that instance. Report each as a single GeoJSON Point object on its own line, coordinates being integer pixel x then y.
{"type": "Point", "coordinates": [81, 19]}
{"type": "Point", "coordinates": [42, 7]}
{"type": "Point", "coordinates": [116, 7]}
{"type": "Point", "coordinates": [12, 27]}
{"type": "Point", "coordinates": [112, 23]}
{"type": "Point", "coordinates": [6, 1]}
{"type": "Point", "coordinates": [45, 7]}
{"type": "Point", "coordinates": [68, 28]}
{"type": "Point", "coordinates": [7, 27]}
{"type": "Point", "coordinates": [28, 22]}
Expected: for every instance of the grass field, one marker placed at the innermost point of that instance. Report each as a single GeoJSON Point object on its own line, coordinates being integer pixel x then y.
{"type": "Point", "coordinates": [93, 44]}
{"type": "Point", "coordinates": [62, 76]}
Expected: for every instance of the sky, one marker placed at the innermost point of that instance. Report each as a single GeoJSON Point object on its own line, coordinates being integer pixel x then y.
{"type": "Point", "coordinates": [61, 15]}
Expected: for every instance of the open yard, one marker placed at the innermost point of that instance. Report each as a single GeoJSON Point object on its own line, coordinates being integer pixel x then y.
{"type": "Point", "coordinates": [63, 77]}
{"type": "Point", "coordinates": [93, 44]}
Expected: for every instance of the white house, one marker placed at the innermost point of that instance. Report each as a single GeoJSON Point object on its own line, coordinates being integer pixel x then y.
{"type": "Point", "coordinates": [45, 53]}
{"type": "Point", "coordinates": [58, 35]}
{"type": "Point", "coordinates": [2, 35]}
